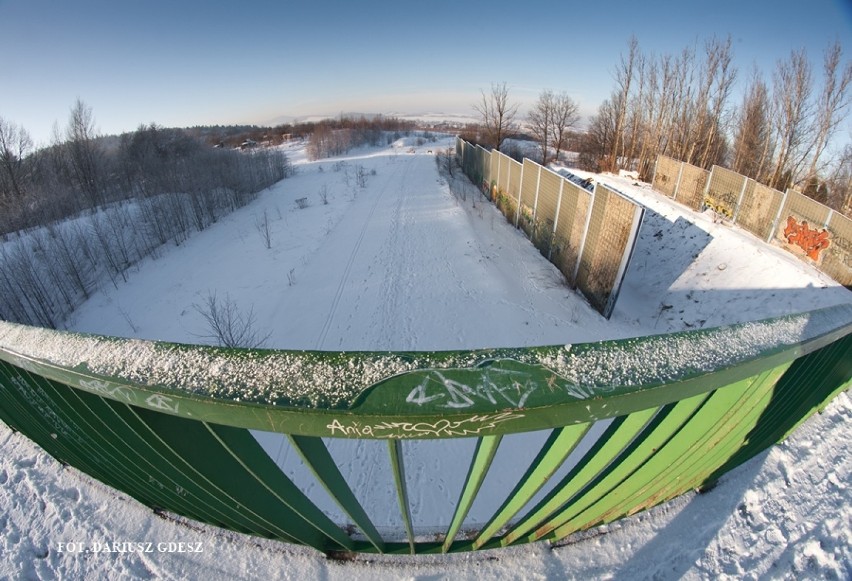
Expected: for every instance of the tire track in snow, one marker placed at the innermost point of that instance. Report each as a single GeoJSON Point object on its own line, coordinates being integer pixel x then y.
{"type": "Point", "coordinates": [344, 279]}
{"type": "Point", "coordinates": [396, 262]}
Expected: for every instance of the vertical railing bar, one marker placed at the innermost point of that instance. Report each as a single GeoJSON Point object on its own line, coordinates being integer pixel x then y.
{"type": "Point", "coordinates": [801, 377]}
{"type": "Point", "coordinates": [36, 429]}
{"type": "Point", "coordinates": [297, 501]}
{"type": "Point", "coordinates": [123, 456]}
{"type": "Point", "coordinates": [395, 451]}
{"type": "Point", "coordinates": [319, 461]}
{"type": "Point", "coordinates": [687, 463]}
{"type": "Point", "coordinates": [486, 447]}
{"type": "Point", "coordinates": [608, 447]}
{"type": "Point", "coordinates": [104, 452]}
{"type": "Point", "coordinates": [728, 408]}
{"type": "Point", "coordinates": [105, 472]}
{"type": "Point", "coordinates": [660, 431]}
{"type": "Point", "coordinates": [555, 450]}
{"type": "Point", "coordinates": [251, 516]}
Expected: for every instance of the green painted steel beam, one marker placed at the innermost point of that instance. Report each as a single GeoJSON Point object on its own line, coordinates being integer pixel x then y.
{"type": "Point", "coordinates": [398, 469]}
{"type": "Point", "coordinates": [483, 455]}
{"type": "Point", "coordinates": [609, 446]}
{"type": "Point", "coordinates": [700, 442]}
{"type": "Point", "coordinates": [559, 446]}
{"type": "Point", "coordinates": [641, 449]}
{"type": "Point", "coordinates": [435, 394]}
{"type": "Point", "coordinates": [317, 458]}
{"type": "Point", "coordinates": [247, 453]}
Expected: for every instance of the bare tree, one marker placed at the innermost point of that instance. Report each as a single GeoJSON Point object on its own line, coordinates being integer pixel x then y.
{"type": "Point", "coordinates": [840, 183]}
{"type": "Point", "coordinates": [550, 120]}
{"type": "Point", "coordinates": [624, 74]}
{"type": "Point", "coordinates": [718, 78]}
{"type": "Point", "coordinates": [565, 117]}
{"type": "Point", "coordinates": [595, 145]}
{"type": "Point", "coordinates": [540, 120]}
{"type": "Point", "coordinates": [792, 117]}
{"type": "Point", "coordinates": [15, 148]}
{"type": "Point", "coordinates": [497, 114]}
{"type": "Point", "coordinates": [753, 145]}
{"type": "Point", "coordinates": [832, 103]}
{"type": "Point", "coordinates": [84, 153]}
{"type": "Point", "coordinates": [263, 228]}
{"type": "Point", "coordinates": [227, 325]}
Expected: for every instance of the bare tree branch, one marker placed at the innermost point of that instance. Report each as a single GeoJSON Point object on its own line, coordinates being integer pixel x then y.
{"type": "Point", "coordinates": [497, 114]}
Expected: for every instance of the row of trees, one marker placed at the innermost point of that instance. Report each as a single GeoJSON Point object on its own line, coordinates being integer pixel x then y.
{"type": "Point", "coordinates": [85, 209]}
{"type": "Point", "coordinates": [681, 105]}
{"type": "Point", "coordinates": [361, 126]}
{"type": "Point", "coordinates": [550, 122]}
{"type": "Point", "coordinates": [332, 137]}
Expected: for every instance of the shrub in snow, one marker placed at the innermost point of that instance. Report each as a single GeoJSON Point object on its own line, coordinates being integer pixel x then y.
{"type": "Point", "coordinates": [227, 325]}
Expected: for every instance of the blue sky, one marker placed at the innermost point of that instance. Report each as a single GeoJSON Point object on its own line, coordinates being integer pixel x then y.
{"type": "Point", "coordinates": [186, 63]}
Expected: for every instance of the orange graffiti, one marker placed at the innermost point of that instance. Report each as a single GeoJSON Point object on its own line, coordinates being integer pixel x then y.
{"type": "Point", "coordinates": [811, 241]}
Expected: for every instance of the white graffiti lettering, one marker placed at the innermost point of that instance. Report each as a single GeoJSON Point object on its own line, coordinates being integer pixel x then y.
{"type": "Point", "coordinates": [494, 386]}
{"type": "Point", "coordinates": [104, 388]}
{"type": "Point", "coordinates": [443, 428]}
{"type": "Point", "coordinates": [161, 402]}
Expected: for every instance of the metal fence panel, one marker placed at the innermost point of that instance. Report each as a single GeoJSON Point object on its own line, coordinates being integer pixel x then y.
{"type": "Point", "coordinates": [837, 260]}
{"type": "Point", "coordinates": [610, 235]}
{"type": "Point", "coordinates": [690, 190]}
{"type": "Point", "coordinates": [503, 179]}
{"type": "Point", "coordinates": [484, 165]}
{"type": "Point", "coordinates": [570, 229]}
{"type": "Point", "coordinates": [800, 227]}
{"type": "Point", "coordinates": [514, 186]}
{"type": "Point", "coordinates": [529, 197]}
{"type": "Point", "coordinates": [549, 187]}
{"type": "Point", "coordinates": [666, 175]}
{"type": "Point", "coordinates": [803, 208]}
{"type": "Point", "coordinates": [810, 230]}
{"type": "Point", "coordinates": [724, 191]}
{"type": "Point", "coordinates": [759, 207]}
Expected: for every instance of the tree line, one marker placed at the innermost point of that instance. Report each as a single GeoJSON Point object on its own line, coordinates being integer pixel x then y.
{"type": "Point", "coordinates": [86, 208]}
{"type": "Point", "coordinates": [682, 105]}
{"type": "Point", "coordinates": [332, 137]}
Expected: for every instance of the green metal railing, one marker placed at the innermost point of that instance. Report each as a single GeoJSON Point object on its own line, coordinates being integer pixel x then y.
{"type": "Point", "coordinates": [621, 425]}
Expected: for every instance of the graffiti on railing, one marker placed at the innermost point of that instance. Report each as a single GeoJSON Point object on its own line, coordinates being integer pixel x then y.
{"type": "Point", "coordinates": [494, 386]}
{"type": "Point", "coordinates": [470, 426]}
{"type": "Point", "coordinates": [40, 403]}
{"type": "Point", "coordinates": [106, 389]}
{"type": "Point", "coordinates": [812, 241]}
{"type": "Point", "coordinates": [162, 402]}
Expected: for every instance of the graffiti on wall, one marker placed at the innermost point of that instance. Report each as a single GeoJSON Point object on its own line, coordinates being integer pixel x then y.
{"type": "Point", "coordinates": [810, 240]}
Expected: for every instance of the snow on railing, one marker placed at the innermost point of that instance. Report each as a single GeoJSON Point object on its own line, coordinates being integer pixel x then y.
{"type": "Point", "coordinates": [484, 448]}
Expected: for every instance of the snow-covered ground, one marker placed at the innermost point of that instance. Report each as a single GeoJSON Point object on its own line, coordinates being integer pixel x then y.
{"type": "Point", "coordinates": [394, 260]}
